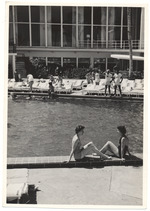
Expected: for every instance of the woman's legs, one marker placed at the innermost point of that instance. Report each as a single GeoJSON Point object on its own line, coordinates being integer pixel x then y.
{"type": "Point", "coordinates": [109, 146]}
{"type": "Point", "coordinates": [90, 148]}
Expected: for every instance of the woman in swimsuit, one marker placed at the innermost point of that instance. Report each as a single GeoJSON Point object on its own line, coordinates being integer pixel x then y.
{"type": "Point", "coordinates": [123, 146]}
{"type": "Point", "coordinates": [79, 151]}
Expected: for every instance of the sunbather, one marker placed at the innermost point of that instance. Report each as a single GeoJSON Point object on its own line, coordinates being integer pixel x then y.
{"type": "Point", "coordinates": [79, 151]}
{"type": "Point", "coordinates": [123, 146]}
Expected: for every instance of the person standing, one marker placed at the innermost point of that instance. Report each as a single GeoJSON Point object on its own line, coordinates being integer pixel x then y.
{"type": "Point", "coordinates": [97, 78]}
{"type": "Point", "coordinates": [108, 80]}
{"type": "Point", "coordinates": [51, 91]}
{"type": "Point", "coordinates": [30, 81]}
{"type": "Point", "coordinates": [118, 80]}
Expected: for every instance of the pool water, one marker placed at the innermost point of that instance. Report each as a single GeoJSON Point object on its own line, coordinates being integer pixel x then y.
{"type": "Point", "coordinates": [41, 128]}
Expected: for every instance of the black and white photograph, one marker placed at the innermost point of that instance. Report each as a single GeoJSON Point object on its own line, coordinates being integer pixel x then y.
{"type": "Point", "coordinates": [75, 105]}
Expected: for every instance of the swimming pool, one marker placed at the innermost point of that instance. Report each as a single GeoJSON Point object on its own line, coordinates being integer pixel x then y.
{"type": "Point", "coordinates": [40, 128]}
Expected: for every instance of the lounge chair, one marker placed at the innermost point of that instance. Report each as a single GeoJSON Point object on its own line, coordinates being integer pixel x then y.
{"type": "Point", "coordinates": [17, 185]}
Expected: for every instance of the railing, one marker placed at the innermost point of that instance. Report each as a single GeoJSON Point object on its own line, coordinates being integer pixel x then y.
{"type": "Point", "coordinates": [96, 44]}
{"type": "Point", "coordinates": [113, 44]}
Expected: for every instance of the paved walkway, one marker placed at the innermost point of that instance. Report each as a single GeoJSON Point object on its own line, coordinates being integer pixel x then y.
{"type": "Point", "coordinates": [117, 185]}
{"type": "Point", "coordinates": [87, 185]}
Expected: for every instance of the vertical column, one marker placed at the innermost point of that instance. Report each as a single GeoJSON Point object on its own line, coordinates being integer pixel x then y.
{"type": "Point", "coordinates": [61, 20]}
{"type": "Point", "coordinates": [14, 64]}
{"type": "Point", "coordinates": [30, 32]}
{"type": "Point", "coordinates": [46, 61]}
{"type": "Point", "coordinates": [77, 38]}
{"type": "Point", "coordinates": [14, 28]}
{"type": "Point", "coordinates": [142, 29]}
{"type": "Point", "coordinates": [46, 26]}
{"type": "Point", "coordinates": [48, 19]}
{"type": "Point", "coordinates": [91, 62]}
{"type": "Point", "coordinates": [77, 62]}
{"type": "Point", "coordinates": [106, 63]}
{"type": "Point", "coordinates": [107, 27]}
{"type": "Point", "coordinates": [91, 27]}
{"type": "Point", "coordinates": [62, 61]}
{"type": "Point", "coordinates": [121, 36]}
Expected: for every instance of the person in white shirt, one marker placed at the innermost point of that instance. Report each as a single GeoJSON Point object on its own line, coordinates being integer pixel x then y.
{"type": "Point", "coordinates": [30, 81]}
{"type": "Point", "coordinates": [97, 78]}
{"type": "Point", "coordinates": [117, 80]}
{"type": "Point", "coordinates": [108, 80]}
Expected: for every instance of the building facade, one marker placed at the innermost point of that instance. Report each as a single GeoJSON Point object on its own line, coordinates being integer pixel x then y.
{"type": "Point", "coordinates": [74, 36]}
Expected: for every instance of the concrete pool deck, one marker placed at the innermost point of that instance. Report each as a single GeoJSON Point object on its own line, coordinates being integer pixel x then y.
{"type": "Point", "coordinates": [86, 186]}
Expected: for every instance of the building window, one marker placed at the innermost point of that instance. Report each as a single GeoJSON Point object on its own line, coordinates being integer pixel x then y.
{"type": "Point", "coordinates": [114, 16]}
{"type": "Point", "coordinates": [22, 14]}
{"type": "Point", "coordinates": [69, 36]}
{"type": "Point", "coordinates": [53, 35]}
{"type": "Point", "coordinates": [99, 36]}
{"type": "Point", "coordinates": [84, 36]}
{"type": "Point", "coordinates": [11, 36]}
{"type": "Point", "coordinates": [111, 63]}
{"type": "Point", "coordinates": [10, 14]}
{"type": "Point", "coordinates": [114, 37]}
{"type": "Point", "coordinates": [37, 14]}
{"type": "Point", "coordinates": [53, 15]}
{"type": "Point", "coordinates": [99, 15]}
{"type": "Point", "coordinates": [84, 62]}
{"type": "Point", "coordinates": [84, 15]}
{"type": "Point", "coordinates": [100, 63]}
{"type": "Point", "coordinates": [22, 31]}
{"type": "Point", "coordinates": [69, 62]}
{"type": "Point", "coordinates": [38, 34]}
{"type": "Point", "coordinates": [69, 15]}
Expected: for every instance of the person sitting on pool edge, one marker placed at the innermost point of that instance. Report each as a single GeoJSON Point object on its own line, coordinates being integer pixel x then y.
{"type": "Point", "coordinates": [79, 151]}
{"type": "Point", "coordinates": [123, 146]}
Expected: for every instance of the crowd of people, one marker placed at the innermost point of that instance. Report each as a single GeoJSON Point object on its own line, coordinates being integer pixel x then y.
{"type": "Point", "coordinates": [115, 79]}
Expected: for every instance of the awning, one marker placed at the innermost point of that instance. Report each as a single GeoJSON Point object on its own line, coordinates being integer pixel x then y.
{"type": "Point", "coordinates": [126, 57]}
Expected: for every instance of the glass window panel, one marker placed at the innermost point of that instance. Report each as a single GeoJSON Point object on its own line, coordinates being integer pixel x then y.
{"type": "Point", "coordinates": [84, 36]}
{"type": "Point", "coordinates": [69, 15]}
{"type": "Point", "coordinates": [99, 36]}
{"type": "Point", "coordinates": [10, 14]}
{"type": "Point", "coordinates": [84, 15]}
{"type": "Point", "coordinates": [11, 37]}
{"type": "Point", "coordinates": [125, 33]}
{"type": "Point", "coordinates": [84, 62]}
{"type": "Point", "coordinates": [22, 14]}
{"type": "Point", "coordinates": [100, 63]}
{"type": "Point", "coordinates": [84, 32]}
{"type": "Point", "coordinates": [69, 36]}
{"type": "Point", "coordinates": [114, 33]}
{"type": "Point", "coordinates": [136, 22]}
{"type": "Point", "coordinates": [124, 16]}
{"type": "Point", "coordinates": [114, 16]}
{"type": "Point", "coordinates": [38, 14]}
{"type": "Point", "coordinates": [38, 34]}
{"type": "Point", "coordinates": [69, 62]}
{"type": "Point", "coordinates": [55, 30]}
{"type": "Point", "coordinates": [87, 15]}
{"type": "Point", "coordinates": [55, 60]}
{"type": "Point", "coordinates": [23, 34]}
{"type": "Point", "coordinates": [53, 14]}
{"type": "Point", "coordinates": [99, 15]}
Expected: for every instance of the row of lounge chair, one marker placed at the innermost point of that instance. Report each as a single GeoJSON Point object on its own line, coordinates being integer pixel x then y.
{"type": "Point", "coordinates": [129, 87]}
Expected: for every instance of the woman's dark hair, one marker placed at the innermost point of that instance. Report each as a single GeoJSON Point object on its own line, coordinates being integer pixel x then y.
{"type": "Point", "coordinates": [79, 128]}
{"type": "Point", "coordinates": [122, 129]}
